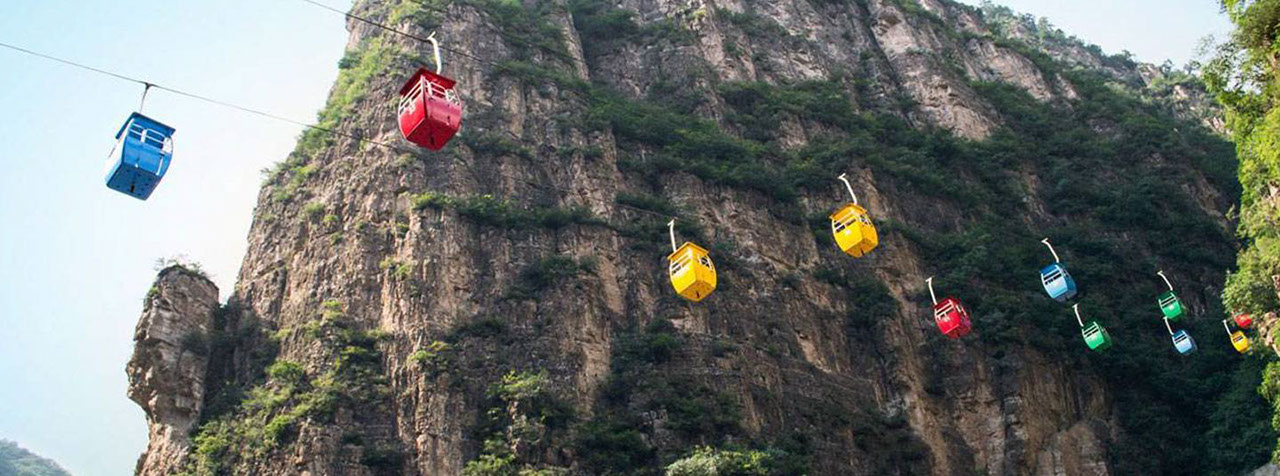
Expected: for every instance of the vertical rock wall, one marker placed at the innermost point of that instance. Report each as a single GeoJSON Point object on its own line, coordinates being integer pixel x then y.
{"type": "Point", "coordinates": [167, 369]}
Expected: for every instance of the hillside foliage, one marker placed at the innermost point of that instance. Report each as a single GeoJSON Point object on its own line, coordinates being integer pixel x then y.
{"type": "Point", "coordinates": [1244, 76]}
{"type": "Point", "coordinates": [18, 461]}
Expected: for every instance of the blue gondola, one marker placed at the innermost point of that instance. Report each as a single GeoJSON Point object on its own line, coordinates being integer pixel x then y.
{"type": "Point", "coordinates": [144, 147]}
{"type": "Point", "coordinates": [1181, 339]}
{"type": "Point", "coordinates": [1057, 282]}
{"type": "Point", "coordinates": [1183, 342]}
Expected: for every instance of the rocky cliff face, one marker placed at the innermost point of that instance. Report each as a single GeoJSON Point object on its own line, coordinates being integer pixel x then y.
{"type": "Point", "coordinates": [167, 370]}
{"type": "Point", "coordinates": [502, 304]}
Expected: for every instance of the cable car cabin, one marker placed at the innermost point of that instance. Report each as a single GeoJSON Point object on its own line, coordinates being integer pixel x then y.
{"type": "Point", "coordinates": [952, 318]}
{"type": "Point", "coordinates": [853, 230]}
{"type": "Point", "coordinates": [1170, 305]}
{"type": "Point", "coordinates": [1239, 341]}
{"type": "Point", "coordinates": [1183, 342]}
{"type": "Point", "coordinates": [430, 111]}
{"type": "Point", "coordinates": [692, 274]}
{"type": "Point", "coordinates": [144, 147]}
{"type": "Point", "coordinates": [1244, 320]}
{"type": "Point", "coordinates": [1096, 337]}
{"type": "Point", "coordinates": [1057, 282]}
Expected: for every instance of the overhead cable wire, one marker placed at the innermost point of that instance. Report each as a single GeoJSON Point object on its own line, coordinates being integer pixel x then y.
{"type": "Point", "coordinates": [398, 32]}
{"type": "Point", "coordinates": [554, 52]}
{"type": "Point", "coordinates": [191, 95]}
{"type": "Point", "coordinates": [227, 104]}
{"type": "Point", "coordinates": [560, 54]}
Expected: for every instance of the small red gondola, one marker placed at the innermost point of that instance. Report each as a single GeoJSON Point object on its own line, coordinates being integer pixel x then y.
{"type": "Point", "coordinates": [430, 111]}
{"type": "Point", "coordinates": [950, 315]}
{"type": "Point", "coordinates": [952, 318]}
{"type": "Point", "coordinates": [1244, 320]}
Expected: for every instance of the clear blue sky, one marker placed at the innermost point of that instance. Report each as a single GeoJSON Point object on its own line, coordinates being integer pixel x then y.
{"type": "Point", "coordinates": [76, 259]}
{"type": "Point", "coordinates": [1153, 30]}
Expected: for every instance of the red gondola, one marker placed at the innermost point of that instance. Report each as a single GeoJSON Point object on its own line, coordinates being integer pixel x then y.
{"type": "Point", "coordinates": [950, 315]}
{"type": "Point", "coordinates": [430, 111]}
{"type": "Point", "coordinates": [1244, 320]}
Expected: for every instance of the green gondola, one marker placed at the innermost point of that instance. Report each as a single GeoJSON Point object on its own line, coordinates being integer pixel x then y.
{"type": "Point", "coordinates": [1095, 336]}
{"type": "Point", "coordinates": [1169, 303]}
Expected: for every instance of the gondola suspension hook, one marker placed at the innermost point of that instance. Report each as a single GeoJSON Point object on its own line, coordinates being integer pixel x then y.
{"type": "Point", "coordinates": [1055, 253]}
{"type": "Point", "coordinates": [1166, 279]}
{"type": "Point", "coordinates": [146, 87]}
{"type": "Point", "coordinates": [671, 227]}
{"type": "Point", "coordinates": [849, 187]}
{"type": "Point", "coordinates": [435, 48]}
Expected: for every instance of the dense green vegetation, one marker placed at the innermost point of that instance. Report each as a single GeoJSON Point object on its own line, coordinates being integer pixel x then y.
{"type": "Point", "coordinates": [260, 409]}
{"type": "Point", "coordinates": [615, 440]}
{"type": "Point", "coordinates": [707, 461]}
{"type": "Point", "coordinates": [1244, 76]}
{"type": "Point", "coordinates": [496, 212]}
{"type": "Point", "coordinates": [17, 461]}
{"type": "Point", "coordinates": [523, 415]}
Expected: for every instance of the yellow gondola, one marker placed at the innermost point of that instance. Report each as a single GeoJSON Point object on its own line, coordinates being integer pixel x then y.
{"type": "Point", "coordinates": [852, 227]}
{"type": "Point", "coordinates": [1238, 339]}
{"type": "Point", "coordinates": [692, 274]}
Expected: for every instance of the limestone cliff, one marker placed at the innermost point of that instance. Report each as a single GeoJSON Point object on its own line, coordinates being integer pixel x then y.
{"type": "Point", "coordinates": [502, 304]}
{"type": "Point", "coordinates": [167, 370]}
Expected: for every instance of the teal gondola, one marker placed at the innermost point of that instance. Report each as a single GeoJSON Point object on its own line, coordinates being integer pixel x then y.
{"type": "Point", "coordinates": [141, 156]}
{"type": "Point", "coordinates": [1057, 282]}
